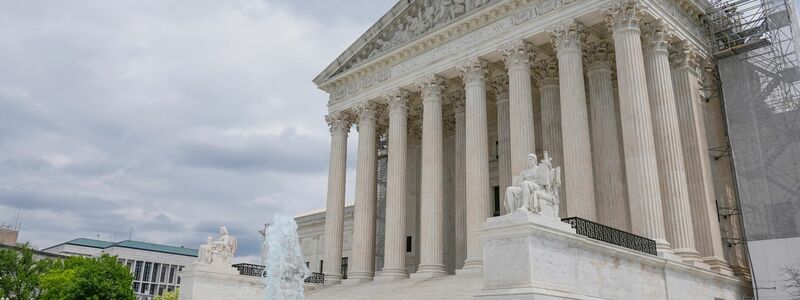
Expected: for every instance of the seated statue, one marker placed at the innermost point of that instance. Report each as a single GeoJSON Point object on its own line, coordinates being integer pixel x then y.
{"type": "Point", "coordinates": [219, 252]}
{"type": "Point", "coordinates": [536, 189]}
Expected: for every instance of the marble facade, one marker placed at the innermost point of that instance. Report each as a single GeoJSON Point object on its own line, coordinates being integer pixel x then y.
{"type": "Point", "coordinates": [464, 90]}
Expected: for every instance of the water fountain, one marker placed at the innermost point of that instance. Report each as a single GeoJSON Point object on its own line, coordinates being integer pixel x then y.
{"type": "Point", "coordinates": [285, 266]}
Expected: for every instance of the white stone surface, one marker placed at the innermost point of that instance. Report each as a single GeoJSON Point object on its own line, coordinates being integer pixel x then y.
{"type": "Point", "coordinates": [394, 264]}
{"type": "Point", "coordinates": [473, 73]}
{"type": "Point", "coordinates": [669, 155]}
{"type": "Point", "coordinates": [363, 260]}
{"type": "Point", "coordinates": [448, 287]}
{"type": "Point", "coordinates": [702, 197]}
{"type": "Point", "coordinates": [641, 168]}
{"type": "Point", "coordinates": [339, 124]}
{"type": "Point", "coordinates": [432, 199]}
{"type": "Point", "coordinates": [525, 257]}
{"type": "Point", "coordinates": [517, 56]}
{"type": "Point", "coordinates": [577, 169]}
{"type": "Point", "coordinates": [204, 282]}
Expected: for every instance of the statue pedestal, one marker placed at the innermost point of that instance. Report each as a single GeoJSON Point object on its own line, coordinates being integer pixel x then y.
{"type": "Point", "coordinates": [208, 282]}
{"type": "Point", "coordinates": [530, 256]}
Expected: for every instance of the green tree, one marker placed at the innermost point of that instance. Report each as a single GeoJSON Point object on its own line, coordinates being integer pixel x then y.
{"type": "Point", "coordinates": [168, 296]}
{"type": "Point", "coordinates": [79, 278]}
{"type": "Point", "coordinates": [19, 273]}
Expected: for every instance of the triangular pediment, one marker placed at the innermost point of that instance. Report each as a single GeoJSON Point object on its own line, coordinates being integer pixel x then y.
{"type": "Point", "coordinates": [405, 22]}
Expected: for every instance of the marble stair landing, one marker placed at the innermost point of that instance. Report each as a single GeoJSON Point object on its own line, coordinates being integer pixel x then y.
{"type": "Point", "coordinates": [448, 287]}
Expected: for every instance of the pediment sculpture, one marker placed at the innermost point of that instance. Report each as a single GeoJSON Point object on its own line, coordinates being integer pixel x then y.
{"type": "Point", "coordinates": [218, 252]}
{"type": "Point", "coordinates": [420, 18]}
{"type": "Point", "coordinates": [536, 188]}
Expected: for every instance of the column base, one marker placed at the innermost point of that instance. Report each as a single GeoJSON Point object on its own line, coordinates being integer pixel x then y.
{"type": "Point", "coordinates": [391, 274]}
{"type": "Point", "coordinates": [718, 265]}
{"type": "Point", "coordinates": [669, 255]}
{"type": "Point", "coordinates": [692, 258]}
{"type": "Point", "coordinates": [429, 271]}
{"type": "Point", "coordinates": [471, 267]}
{"type": "Point", "coordinates": [663, 246]}
{"type": "Point", "coordinates": [358, 277]}
{"type": "Point", "coordinates": [333, 279]}
{"type": "Point", "coordinates": [742, 272]}
{"type": "Point", "coordinates": [472, 263]}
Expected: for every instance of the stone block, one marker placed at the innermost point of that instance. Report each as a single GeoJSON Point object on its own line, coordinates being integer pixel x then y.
{"type": "Point", "coordinates": [527, 256]}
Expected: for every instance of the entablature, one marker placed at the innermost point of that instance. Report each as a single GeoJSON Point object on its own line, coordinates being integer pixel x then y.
{"type": "Point", "coordinates": [481, 31]}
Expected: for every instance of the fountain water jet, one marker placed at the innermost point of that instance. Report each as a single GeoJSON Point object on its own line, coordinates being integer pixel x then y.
{"type": "Point", "coordinates": [285, 266]}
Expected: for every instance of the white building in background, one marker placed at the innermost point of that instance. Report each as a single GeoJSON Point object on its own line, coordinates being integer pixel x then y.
{"type": "Point", "coordinates": [154, 267]}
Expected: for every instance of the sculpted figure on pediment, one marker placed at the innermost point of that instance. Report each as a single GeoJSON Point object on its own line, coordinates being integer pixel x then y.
{"type": "Point", "coordinates": [423, 17]}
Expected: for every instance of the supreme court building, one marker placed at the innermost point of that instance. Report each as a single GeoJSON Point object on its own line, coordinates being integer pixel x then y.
{"type": "Point", "coordinates": [622, 94]}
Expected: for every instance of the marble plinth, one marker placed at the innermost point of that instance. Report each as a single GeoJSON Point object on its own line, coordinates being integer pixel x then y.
{"type": "Point", "coordinates": [527, 256]}
{"type": "Point", "coordinates": [207, 282]}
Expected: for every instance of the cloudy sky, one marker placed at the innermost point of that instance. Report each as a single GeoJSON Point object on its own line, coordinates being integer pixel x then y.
{"type": "Point", "coordinates": [169, 116]}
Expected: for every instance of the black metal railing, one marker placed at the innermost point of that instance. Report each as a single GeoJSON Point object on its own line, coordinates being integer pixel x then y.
{"type": "Point", "coordinates": [250, 269]}
{"type": "Point", "coordinates": [258, 271]}
{"type": "Point", "coordinates": [315, 277]}
{"type": "Point", "coordinates": [611, 235]}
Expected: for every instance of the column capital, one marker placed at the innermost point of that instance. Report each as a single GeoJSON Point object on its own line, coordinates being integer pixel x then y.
{"type": "Point", "coordinates": [546, 72]}
{"type": "Point", "coordinates": [685, 55]}
{"type": "Point", "coordinates": [431, 87]}
{"type": "Point", "coordinates": [339, 123]}
{"type": "Point", "coordinates": [567, 36]}
{"type": "Point", "coordinates": [457, 100]}
{"type": "Point", "coordinates": [598, 55]}
{"type": "Point", "coordinates": [366, 112]}
{"type": "Point", "coordinates": [657, 36]}
{"type": "Point", "coordinates": [624, 15]}
{"type": "Point", "coordinates": [499, 84]}
{"type": "Point", "coordinates": [474, 71]}
{"type": "Point", "coordinates": [517, 54]}
{"type": "Point", "coordinates": [397, 101]}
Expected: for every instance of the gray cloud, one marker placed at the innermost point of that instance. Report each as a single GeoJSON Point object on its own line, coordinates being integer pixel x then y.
{"type": "Point", "coordinates": [286, 151]}
{"type": "Point", "coordinates": [171, 117]}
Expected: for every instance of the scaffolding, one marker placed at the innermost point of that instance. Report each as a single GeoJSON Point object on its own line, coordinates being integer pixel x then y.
{"type": "Point", "coordinates": [758, 37]}
{"type": "Point", "coordinates": [753, 45]}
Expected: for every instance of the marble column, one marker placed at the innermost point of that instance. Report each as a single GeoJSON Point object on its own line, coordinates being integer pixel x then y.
{"type": "Point", "coordinates": [500, 86]}
{"type": "Point", "coordinates": [339, 124]}
{"type": "Point", "coordinates": [546, 76]}
{"type": "Point", "coordinates": [394, 263]}
{"type": "Point", "coordinates": [432, 189]}
{"type": "Point", "coordinates": [674, 193]}
{"type": "Point", "coordinates": [517, 56]}
{"type": "Point", "coordinates": [612, 204]}
{"type": "Point", "coordinates": [641, 168]}
{"type": "Point", "coordinates": [362, 268]}
{"type": "Point", "coordinates": [460, 184]}
{"type": "Point", "coordinates": [567, 40]}
{"type": "Point", "coordinates": [479, 195]}
{"type": "Point", "coordinates": [691, 121]}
